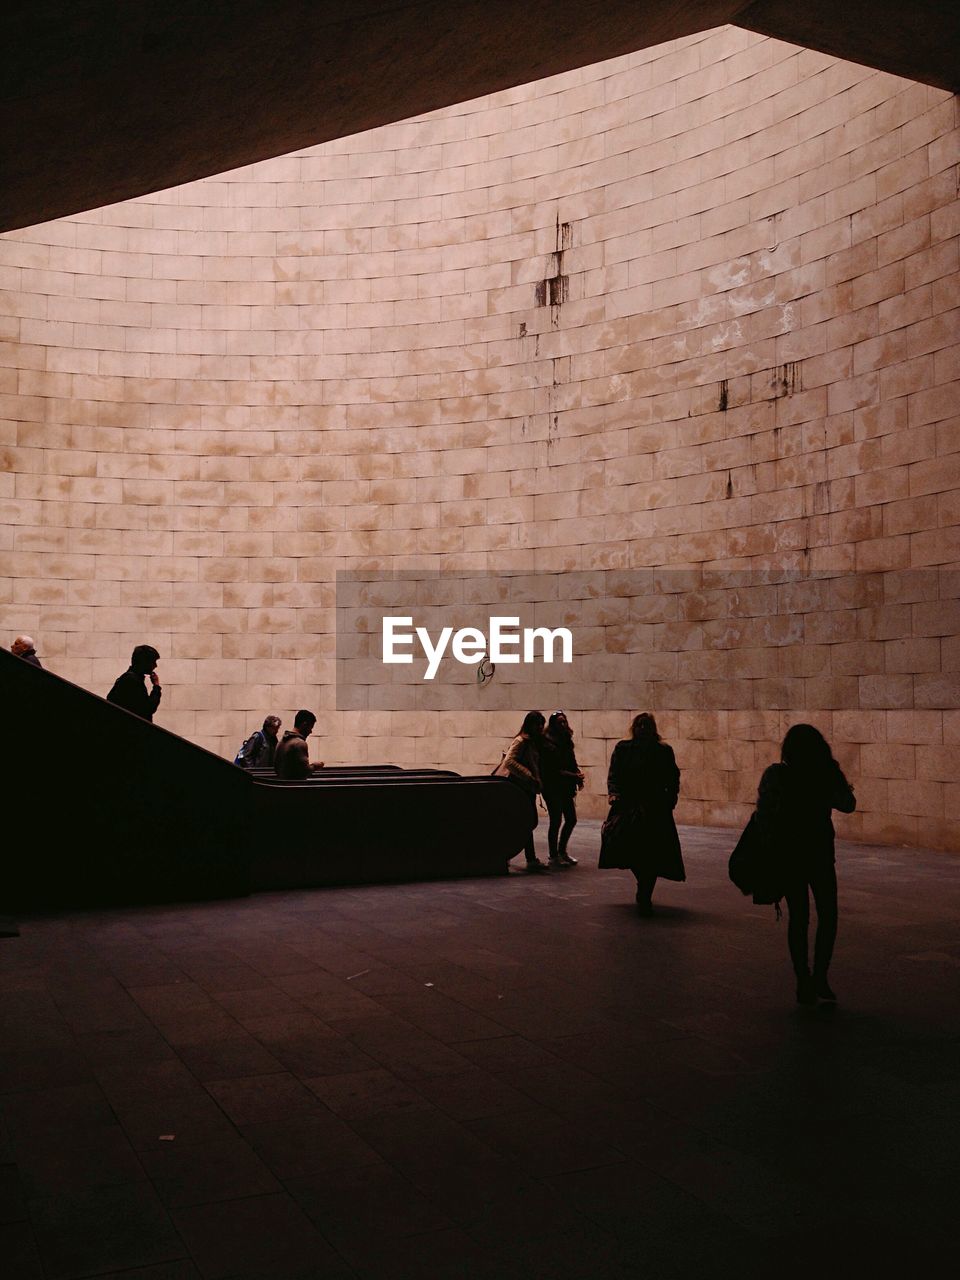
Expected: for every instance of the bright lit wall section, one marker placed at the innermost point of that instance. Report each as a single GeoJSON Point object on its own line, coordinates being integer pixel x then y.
{"type": "Point", "coordinates": [691, 311]}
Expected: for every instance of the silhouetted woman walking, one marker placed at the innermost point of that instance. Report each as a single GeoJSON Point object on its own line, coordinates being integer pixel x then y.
{"type": "Point", "coordinates": [521, 765]}
{"type": "Point", "coordinates": [639, 834]}
{"type": "Point", "coordinates": [794, 804]}
{"type": "Point", "coordinates": [561, 778]}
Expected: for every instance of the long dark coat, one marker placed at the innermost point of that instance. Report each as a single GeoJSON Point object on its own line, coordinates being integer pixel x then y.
{"type": "Point", "coordinates": [639, 833]}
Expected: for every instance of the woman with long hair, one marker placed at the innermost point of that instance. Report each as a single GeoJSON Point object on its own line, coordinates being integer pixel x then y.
{"type": "Point", "coordinates": [639, 834]}
{"type": "Point", "coordinates": [794, 804]}
{"type": "Point", "coordinates": [561, 778]}
{"type": "Point", "coordinates": [521, 765]}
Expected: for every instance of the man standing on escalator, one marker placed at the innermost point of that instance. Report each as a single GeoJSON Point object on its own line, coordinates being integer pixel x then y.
{"type": "Point", "coordinates": [129, 690]}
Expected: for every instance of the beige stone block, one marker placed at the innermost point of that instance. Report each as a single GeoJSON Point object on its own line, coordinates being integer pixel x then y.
{"type": "Point", "coordinates": [885, 760]}
{"type": "Point", "coordinates": [938, 764]}
{"type": "Point", "coordinates": [917, 797]}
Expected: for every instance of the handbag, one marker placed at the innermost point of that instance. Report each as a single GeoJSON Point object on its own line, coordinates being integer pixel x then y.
{"type": "Point", "coordinates": [621, 836]}
{"type": "Point", "coordinates": [756, 868]}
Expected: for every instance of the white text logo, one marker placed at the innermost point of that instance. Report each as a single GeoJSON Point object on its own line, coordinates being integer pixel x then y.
{"type": "Point", "coordinates": [505, 642]}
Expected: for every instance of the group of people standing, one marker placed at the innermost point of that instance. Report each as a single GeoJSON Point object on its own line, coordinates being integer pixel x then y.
{"type": "Point", "coordinates": [793, 824]}
{"type": "Point", "coordinates": [794, 827]}
{"type": "Point", "coordinates": [541, 760]}
{"type": "Point", "coordinates": [643, 778]}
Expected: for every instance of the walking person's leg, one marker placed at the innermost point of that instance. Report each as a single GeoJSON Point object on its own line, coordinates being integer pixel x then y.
{"type": "Point", "coordinates": [555, 816]}
{"type": "Point", "coordinates": [798, 926]}
{"type": "Point", "coordinates": [824, 886]}
{"type": "Point", "coordinates": [529, 849]}
{"type": "Point", "coordinates": [645, 883]}
{"type": "Point", "coordinates": [569, 809]}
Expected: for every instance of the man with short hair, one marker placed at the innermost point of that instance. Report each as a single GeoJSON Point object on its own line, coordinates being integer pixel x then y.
{"type": "Point", "coordinates": [260, 748]}
{"type": "Point", "coordinates": [129, 690]}
{"type": "Point", "coordinates": [23, 647]}
{"type": "Point", "coordinates": [293, 759]}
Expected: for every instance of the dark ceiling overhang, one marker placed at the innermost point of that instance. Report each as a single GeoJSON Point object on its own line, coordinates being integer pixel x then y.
{"type": "Point", "coordinates": [103, 100]}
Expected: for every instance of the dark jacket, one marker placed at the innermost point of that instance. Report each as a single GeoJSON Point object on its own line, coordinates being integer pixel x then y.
{"type": "Point", "coordinates": [130, 692]}
{"type": "Point", "coordinates": [30, 655]}
{"type": "Point", "coordinates": [793, 811]}
{"type": "Point", "coordinates": [292, 759]}
{"type": "Point", "coordinates": [639, 833]}
{"type": "Point", "coordinates": [257, 752]}
{"type": "Point", "coordinates": [558, 766]}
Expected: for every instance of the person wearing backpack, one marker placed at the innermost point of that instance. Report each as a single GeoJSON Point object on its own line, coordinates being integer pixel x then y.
{"type": "Point", "coordinates": [260, 748]}
{"type": "Point", "coordinates": [794, 804]}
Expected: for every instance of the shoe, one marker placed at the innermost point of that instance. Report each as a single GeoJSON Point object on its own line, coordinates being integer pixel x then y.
{"type": "Point", "coordinates": [532, 868]}
{"type": "Point", "coordinates": [806, 993]}
{"type": "Point", "coordinates": [555, 861]}
{"type": "Point", "coordinates": [822, 988]}
{"type": "Point", "coordinates": [566, 861]}
{"type": "Point", "coordinates": [644, 906]}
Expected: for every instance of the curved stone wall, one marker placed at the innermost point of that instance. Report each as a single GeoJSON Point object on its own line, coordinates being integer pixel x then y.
{"type": "Point", "coordinates": [694, 310]}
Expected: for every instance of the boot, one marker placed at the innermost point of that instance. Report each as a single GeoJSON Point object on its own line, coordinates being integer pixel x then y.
{"type": "Point", "coordinates": [564, 858]}
{"type": "Point", "coordinates": [806, 992]}
{"type": "Point", "coordinates": [822, 988]}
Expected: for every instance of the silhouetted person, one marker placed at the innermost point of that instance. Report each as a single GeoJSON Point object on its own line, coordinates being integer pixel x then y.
{"type": "Point", "coordinates": [23, 647]}
{"type": "Point", "coordinates": [521, 765]}
{"type": "Point", "coordinates": [794, 805]}
{"type": "Point", "coordinates": [561, 779]}
{"type": "Point", "coordinates": [130, 690]}
{"type": "Point", "coordinates": [292, 758]}
{"type": "Point", "coordinates": [640, 835]}
{"type": "Point", "coordinates": [260, 748]}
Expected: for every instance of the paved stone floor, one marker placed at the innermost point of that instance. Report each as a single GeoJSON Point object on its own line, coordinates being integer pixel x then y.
{"type": "Point", "coordinates": [487, 1079]}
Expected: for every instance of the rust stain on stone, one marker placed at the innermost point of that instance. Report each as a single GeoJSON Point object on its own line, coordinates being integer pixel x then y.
{"type": "Point", "coordinates": [787, 379]}
{"type": "Point", "coordinates": [554, 290]}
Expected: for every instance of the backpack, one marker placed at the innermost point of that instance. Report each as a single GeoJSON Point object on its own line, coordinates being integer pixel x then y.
{"type": "Point", "coordinates": [241, 757]}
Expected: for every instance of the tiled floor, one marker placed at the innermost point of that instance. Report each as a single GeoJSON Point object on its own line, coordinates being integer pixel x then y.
{"type": "Point", "coordinates": [485, 1079]}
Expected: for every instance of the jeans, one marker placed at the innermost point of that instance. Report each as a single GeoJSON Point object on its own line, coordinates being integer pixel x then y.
{"type": "Point", "coordinates": [822, 881]}
{"type": "Point", "coordinates": [529, 851]}
{"type": "Point", "coordinates": [562, 809]}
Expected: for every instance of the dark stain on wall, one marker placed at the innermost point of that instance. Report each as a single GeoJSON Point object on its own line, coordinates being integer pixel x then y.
{"type": "Point", "coordinates": [554, 290]}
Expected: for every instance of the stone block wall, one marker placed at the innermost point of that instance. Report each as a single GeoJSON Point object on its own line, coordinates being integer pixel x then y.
{"type": "Point", "coordinates": [694, 309]}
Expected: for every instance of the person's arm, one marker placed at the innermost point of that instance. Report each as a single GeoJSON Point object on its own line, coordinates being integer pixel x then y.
{"type": "Point", "coordinates": [770, 800]}
{"type": "Point", "coordinates": [576, 773]}
{"type": "Point", "coordinates": [615, 772]}
{"type": "Point", "coordinates": [155, 694]}
{"type": "Point", "coordinates": [842, 797]}
{"type": "Point", "coordinates": [301, 758]}
{"type": "Point", "coordinates": [671, 776]}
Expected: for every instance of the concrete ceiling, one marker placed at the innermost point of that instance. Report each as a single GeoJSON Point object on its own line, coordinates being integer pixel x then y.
{"type": "Point", "coordinates": [102, 100]}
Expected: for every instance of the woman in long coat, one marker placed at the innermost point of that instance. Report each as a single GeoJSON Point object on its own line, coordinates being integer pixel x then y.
{"type": "Point", "coordinates": [639, 834]}
{"type": "Point", "coordinates": [794, 805]}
